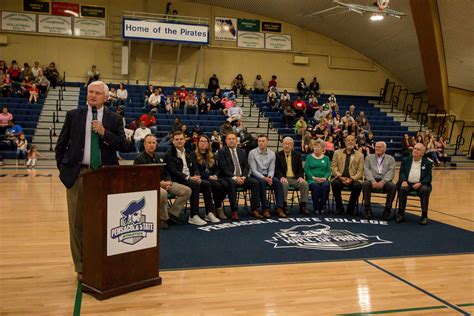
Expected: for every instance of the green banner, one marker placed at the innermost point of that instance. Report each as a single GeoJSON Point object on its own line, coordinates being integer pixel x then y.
{"type": "Point", "coordinates": [248, 25]}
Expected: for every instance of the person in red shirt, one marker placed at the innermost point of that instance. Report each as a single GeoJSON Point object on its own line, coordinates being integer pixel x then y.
{"type": "Point", "coordinates": [33, 94]}
{"type": "Point", "coordinates": [150, 121]}
{"type": "Point", "coordinates": [300, 106]}
{"type": "Point", "coordinates": [182, 94]}
{"type": "Point", "coordinates": [273, 82]}
{"type": "Point", "coordinates": [14, 71]}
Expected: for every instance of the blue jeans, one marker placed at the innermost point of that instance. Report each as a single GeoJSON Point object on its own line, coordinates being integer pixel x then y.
{"type": "Point", "coordinates": [320, 194]}
{"type": "Point", "coordinates": [277, 188]}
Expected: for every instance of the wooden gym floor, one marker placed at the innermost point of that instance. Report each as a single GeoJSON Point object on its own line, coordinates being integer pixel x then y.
{"type": "Point", "coordinates": [37, 275]}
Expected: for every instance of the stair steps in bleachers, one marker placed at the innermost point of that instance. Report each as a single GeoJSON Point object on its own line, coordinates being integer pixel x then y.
{"type": "Point", "coordinates": [399, 116]}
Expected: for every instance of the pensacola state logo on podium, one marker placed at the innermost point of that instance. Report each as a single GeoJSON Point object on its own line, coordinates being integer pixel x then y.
{"type": "Point", "coordinates": [131, 221]}
{"type": "Point", "coordinates": [322, 237]}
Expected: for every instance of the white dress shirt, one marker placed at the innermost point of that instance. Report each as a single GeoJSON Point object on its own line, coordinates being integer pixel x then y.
{"type": "Point", "coordinates": [182, 155]}
{"type": "Point", "coordinates": [86, 159]}
{"type": "Point", "coordinates": [415, 172]}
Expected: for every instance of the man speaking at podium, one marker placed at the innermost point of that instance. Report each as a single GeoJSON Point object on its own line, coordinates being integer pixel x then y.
{"type": "Point", "coordinates": [88, 140]}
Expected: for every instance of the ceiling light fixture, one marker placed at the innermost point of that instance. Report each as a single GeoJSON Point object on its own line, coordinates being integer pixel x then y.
{"type": "Point", "coordinates": [376, 17]}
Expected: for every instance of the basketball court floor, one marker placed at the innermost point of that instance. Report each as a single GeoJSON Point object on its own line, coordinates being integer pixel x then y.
{"type": "Point", "coordinates": [37, 275]}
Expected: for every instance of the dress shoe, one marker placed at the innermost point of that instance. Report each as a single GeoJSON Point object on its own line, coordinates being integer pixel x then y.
{"type": "Point", "coordinates": [163, 224]}
{"type": "Point", "coordinates": [221, 213]}
{"type": "Point", "coordinates": [79, 277]}
{"type": "Point", "coordinates": [266, 213]}
{"type": "Point", "coordinates": [235, 216]}
{"type": "Point", "coordinates": [304, 210]}
{"type": "Point", "coordinates": [256, 214]}
{"type": "Point", "coordinates": [423, 221]}
{"type": "Point", "coordinates": [386, 214]}
{"type": "Point", "coordinates": [399, 219]}
{"type": "Point", "coordinates": [280, 213]}
{"type": "Point", "coordinates": [367, 213]}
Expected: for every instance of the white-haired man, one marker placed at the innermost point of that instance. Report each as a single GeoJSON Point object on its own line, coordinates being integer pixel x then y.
{"type": "Point", "coordinates": [289, 169]}
{"type": "Point", "coordinates": [89, 139]}
{"type": "Point", "coordinates": [379, 169]}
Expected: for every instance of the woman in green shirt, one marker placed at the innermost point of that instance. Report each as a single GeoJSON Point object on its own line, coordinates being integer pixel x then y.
{"type": "Point", "coordinates": [317, 170]}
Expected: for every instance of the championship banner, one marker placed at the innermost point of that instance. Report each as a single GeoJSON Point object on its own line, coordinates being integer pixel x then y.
{"type": "Point", "coordinates": [92, 11]}
{"type": "Point", "coordinates": [225, 29]}
{"type": "Point", "coordinates": [55, 24]}
{"type": "Point", "coordinates": [251, 39]}
{"type": "Point", "coordinates": [16, 21]}
{"type": "Point", "coordinates": [36, 6]}
{"type": "Point", "coordinates": [165, 31]}
{"type": "Point", "coordinates": [248, 25]}
{"type": "Point", "coordinates": [65, 9]}
{"type": "Point", "coordinates": [271, 27]}
{"type": "Point", "coordinates": [278, 42]}
{"type": "Point", "coordinates": [89, 27]}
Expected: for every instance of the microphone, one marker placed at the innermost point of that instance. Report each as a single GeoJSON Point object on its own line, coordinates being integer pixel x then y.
{"type": "Point", "coordinates": [94, 115]}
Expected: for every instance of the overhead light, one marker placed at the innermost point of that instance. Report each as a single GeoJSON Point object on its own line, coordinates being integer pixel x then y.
{"type": "Point", "coordinates": [376, 17]}
{"type": "Point", "coordinates": [71, 13]}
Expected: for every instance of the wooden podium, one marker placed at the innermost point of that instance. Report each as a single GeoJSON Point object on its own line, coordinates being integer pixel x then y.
{"type": "Point", "coordinates": [104, 275]}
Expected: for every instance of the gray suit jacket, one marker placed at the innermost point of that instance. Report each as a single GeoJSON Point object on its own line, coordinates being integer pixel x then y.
{"type": "Point", "coordinates": [371, 172]}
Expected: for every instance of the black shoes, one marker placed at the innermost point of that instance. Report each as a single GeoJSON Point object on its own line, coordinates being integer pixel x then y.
{"type": "Point", "coordinates": [423, 220]}
{"type": "Point", "coordinates": [367, 213]}
{"type": "Point", "coordinates": [386, 214]}
{"type": "Point", "coordinates": [400, 218]}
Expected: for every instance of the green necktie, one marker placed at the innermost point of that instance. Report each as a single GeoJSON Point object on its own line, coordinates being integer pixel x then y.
{"type": "Point", "coordinates": [95, 150]}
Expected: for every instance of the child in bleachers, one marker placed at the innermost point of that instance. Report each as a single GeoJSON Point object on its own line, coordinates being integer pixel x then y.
{"type": "Point", "coordinates": [33, 155]}
{"type": "Point", "coordinates": [216, 141]}
{"type": "Point", "coordinates": [21, 147]}
{"type": "Point", "coordinates": [33, 94]}
{"type": "Point", "coordinates": [168, 106]}
{"type": "Point", "coordinates": [329, 146]}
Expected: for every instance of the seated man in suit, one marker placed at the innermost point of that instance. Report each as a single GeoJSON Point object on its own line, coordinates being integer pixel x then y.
{"type": "Point", "coordinates": [182, 170]}
{"type": "Point", "coordinates": [233, 167]}
{"type": "Point", "coordinates": [347, 169]}
{"type": "Point", "coordinates": [182, 192]}
{"type": "Point", "coordinates": [415, 175]}
{"type": "Point", "coordinates": [379, 169]}
{"type": "Point", "coordinates": [289, 170]}
{"type": "Point", "coordinates": [262, 168]}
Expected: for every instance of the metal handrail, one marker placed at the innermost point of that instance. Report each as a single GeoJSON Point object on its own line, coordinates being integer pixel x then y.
{"type": "Point", "coordinates": [56, 112]}
{"type": "Point", "coordinates": [50, 138]}
{"type": "Point", "coordinates": [64, 81]}
{"type": "Point", "coordinates": [54, 123]}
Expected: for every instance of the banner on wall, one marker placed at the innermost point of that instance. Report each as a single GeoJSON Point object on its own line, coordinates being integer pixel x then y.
{"type": "Point", "coordinates": [89, 27]}
{"type": "Point", "coordinates": [17, 21]}
{"type": "Point", "coordinates": [225, 29]}
{"type": "Point", "coordinates": [92, 11]}
{"type": "Point", "coordinates": [163, 31]}
{"type": "Point", "coordinates": [251, 39]}
{"type": "Point", "coordinates": [248, 25]}
{"type": "Point", "coordinates": [36, 6]}
{"type": "Point", "coordinates": [65, 9]}
{"type": "Point", "coordinates": [271, 27]}
{"type": "Point", "coordinates": [55, 24]}
{"type": "Point", "coordinates": [278, 42]}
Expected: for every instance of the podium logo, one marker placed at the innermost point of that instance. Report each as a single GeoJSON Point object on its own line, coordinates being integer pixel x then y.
{"type": "Point", "coordinates": [133, 225]}
{"type": "Point", "coordinates": [322, 237]}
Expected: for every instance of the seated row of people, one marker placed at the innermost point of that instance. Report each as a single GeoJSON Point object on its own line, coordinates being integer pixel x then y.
{"type": "Point", "coordinates": [216, 176]}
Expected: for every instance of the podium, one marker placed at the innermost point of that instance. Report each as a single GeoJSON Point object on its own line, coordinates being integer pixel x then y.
{"type": "Point", "coordinates": [121, 227]}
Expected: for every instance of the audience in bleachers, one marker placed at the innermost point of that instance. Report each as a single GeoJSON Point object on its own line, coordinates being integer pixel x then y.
{"type": "Point", "coordinates": [122, 95]}
{"type": "Point", "coordinates": [139, 135]}
{"type": "Point", "coordinates": [259, 85]}
{"type": "Point", "coordinates": [238, 85]}
{"type": "Point", "coordinates": [213, 84]}
{"type": "Point", "coordinates": [5, 117]}
{"type": "Point", "coordinates": [92, 75]}
{"type": "Point", "coordinates": [52, 74]}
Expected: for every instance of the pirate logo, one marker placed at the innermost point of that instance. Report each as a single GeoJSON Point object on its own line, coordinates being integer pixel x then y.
{"type": "Point", "coordinates": [133, 225]}
{"type": "Point", "coordinates": [322, 237]}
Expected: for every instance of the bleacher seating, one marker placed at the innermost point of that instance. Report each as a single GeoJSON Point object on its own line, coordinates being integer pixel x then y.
{"type": "Point", "coordinates": [384, 127]}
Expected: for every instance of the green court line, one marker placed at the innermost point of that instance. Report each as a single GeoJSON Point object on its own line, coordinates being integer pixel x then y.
{"type": "Point", "coordinates": [78, 302]}
{"type": "Point", "coordinates": [413, 309]}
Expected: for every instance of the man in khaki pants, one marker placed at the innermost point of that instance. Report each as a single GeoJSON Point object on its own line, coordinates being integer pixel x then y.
{"type": "Point", "coordinates": [181, 192]}
{"type": "Point", "coordinates": [89, 139]}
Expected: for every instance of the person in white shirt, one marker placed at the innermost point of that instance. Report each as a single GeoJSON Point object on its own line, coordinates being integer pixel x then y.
{"type": "Point", "coordinates": [415, 175]}
{"type": "Point", "coordinates": [122, 95]}
{"type": "Point", "coordinates": [92, 75]}
{"type": "Point", "coordinates": [234, 113]}
{"type": "Point", "coordinates": [139, 135]}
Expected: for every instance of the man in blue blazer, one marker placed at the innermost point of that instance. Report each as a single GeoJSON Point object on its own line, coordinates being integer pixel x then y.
{"type": "Point", "coordinates": [415, 175]}
{"type": "Point", "coordinates": [90, 138]}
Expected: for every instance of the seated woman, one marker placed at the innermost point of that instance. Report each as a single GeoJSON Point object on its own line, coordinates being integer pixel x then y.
{"type": "Point", "coordinates": [122, 95]}
{"type": "Point", "coordinates": [42, 82]}
{"type": "Point", "coordinates": [407, 147]}
{"type": "Point", "coordinates": [299, 106]}
{"type": "Point", "coordinates": [238, 85]}
{"type": "Point", "coordinates": [216, 99]}
{"type": "Point", "coordinates": [92, 75]}
{"type": "Point", "coordinates": [259, 85]}
{"type": "Point", "coordinates": [432, 151]}
{"type": "Point", "coordinates": [203, 103]}
{"type": "Point", "coordinates": [52, 74]}
{"type": "Point", "coordinates": [440, 149]}
{"type": "Point", "coordinates": [317, 170]}
{"type": "Point", "coordinates": [206, 163]}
